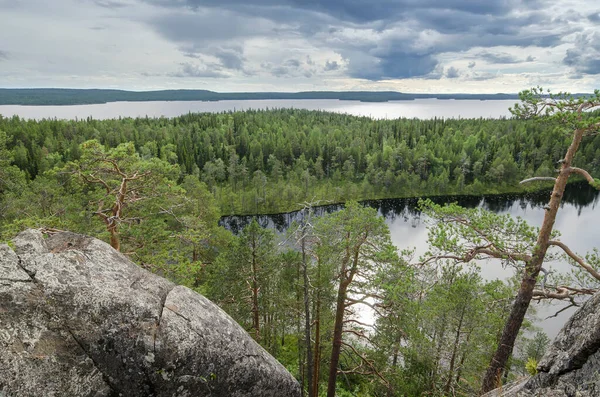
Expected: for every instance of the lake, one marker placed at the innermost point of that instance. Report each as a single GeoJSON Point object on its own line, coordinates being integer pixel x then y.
{"type": "Point", "coordinates": [420, 108]}
{"type": "Point", "coordinates": [577, 221]}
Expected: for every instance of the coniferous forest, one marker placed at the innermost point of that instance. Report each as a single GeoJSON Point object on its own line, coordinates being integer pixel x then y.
{"type": "Point", "coordinates": [156, 189]}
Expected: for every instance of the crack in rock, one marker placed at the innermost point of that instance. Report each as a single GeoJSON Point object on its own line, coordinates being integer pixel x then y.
{"type": "Point", "coordinates": [105, 377]}
{"type": "Point", "coordinates": [15, 280]}
{"type": "Point", "coordinates": [30, 273]}
{"type": "Point", "coordinates": [162, 309]}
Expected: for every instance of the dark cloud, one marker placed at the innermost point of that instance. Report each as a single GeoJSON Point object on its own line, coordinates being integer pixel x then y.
{"type": "Point", "coordinates": [530, 58]}
{"type": "Point", "coordinates": [482, 76]}
{"type": "Point", "coordinates": [500, 57]}
{"type": "Point", "coordinates": [330, 66]}
{"type": "Point", "coordinates": [364, 11]}
{"type": "Point", "coordinates": [395, 65]}
{"type": "Point", "coordinates": [204, 28]}
{"type": "Point", "coordinates": [192, 70]}
{"type": "Point", "coordinates": [230, 58]}
{"type": "Point", "coordinates": [457, 25]}
{"type": "Point", "coordinates": [452, 72]}
{"type": "Point", "coordinates": [110, 4]}
{"type": "Point", "coordinates": [594, 17]}
{"type": "Point", "coordinates": [280, 71]}
{"type": "Point", "coordinates": [293, 63]}
{"type": "Point", "coordinates": [291, 68]}
{"type": "Point", "coordinates": [584, 58]}
{"type": "Point", "coordinates": [472, 64]}
{"type": "Point", "coordinates": [3, 55]}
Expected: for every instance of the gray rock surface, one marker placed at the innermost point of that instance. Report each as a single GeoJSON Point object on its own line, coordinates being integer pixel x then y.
{"type": "Point", "coordinates": [571, 365]}
{"type": "Point", "coordinates": [77, 318]}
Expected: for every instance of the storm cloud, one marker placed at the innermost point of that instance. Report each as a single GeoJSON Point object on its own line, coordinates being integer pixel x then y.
{"type": "Point", "coordinates": [354, 44]}
{"type": "Point", "coordinates": [585, 56]}
{"type": "Point", "coordinates": [398, 39]}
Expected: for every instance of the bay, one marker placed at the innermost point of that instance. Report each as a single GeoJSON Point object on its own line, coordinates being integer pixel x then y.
{"type": "Point", "coordinates": [419, 108]}
{"type": "Point", "coordinates": [577, 222]}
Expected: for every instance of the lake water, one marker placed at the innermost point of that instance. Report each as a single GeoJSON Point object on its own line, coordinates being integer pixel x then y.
{"type": "Point", "coordinates": [577, 221]}
{"type": "Point", "coordinates": [420, 108]}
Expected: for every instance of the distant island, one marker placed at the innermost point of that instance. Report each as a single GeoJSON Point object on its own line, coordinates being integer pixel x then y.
{"type": "Point", "coordinates": [61, 96]}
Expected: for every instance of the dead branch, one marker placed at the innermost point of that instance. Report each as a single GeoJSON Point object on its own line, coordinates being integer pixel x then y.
{"type": "Point", "coordinates": [572, 304]}
{"type": "Point", "coordinates": [581, 172]}
{"type": "Point", "coordinates": [537, 179]}
{"type": "Point", "coordinates": [366, 361]}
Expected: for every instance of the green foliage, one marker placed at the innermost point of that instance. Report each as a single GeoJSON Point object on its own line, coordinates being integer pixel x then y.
{"type": "Point", "coordinates": [270, 161]}
{"type": "Point", "coordinates": [531, 366]}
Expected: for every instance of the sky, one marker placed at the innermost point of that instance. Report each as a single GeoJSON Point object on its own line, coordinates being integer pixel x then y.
{"type": "Point", "coordinates": [416, 46]}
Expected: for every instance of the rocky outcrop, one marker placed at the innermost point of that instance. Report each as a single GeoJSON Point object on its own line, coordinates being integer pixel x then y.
{"type": "Point", "coordinates": [571, 365]}
{"type": "Point", "coordinates": [77, 318]}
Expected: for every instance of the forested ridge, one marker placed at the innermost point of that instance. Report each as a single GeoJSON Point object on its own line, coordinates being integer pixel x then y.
{"type": "Point", "coordinates": [62, 96]}
{"type": "Point", "coordinates": [155, 189]}
{"type": "Point", "coordinates": [270, 161]}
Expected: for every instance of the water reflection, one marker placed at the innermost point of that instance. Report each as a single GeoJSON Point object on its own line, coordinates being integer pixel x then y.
{"type": "Point", "coordinates": [577, 221]}
{"type": "Point", "coordinates": [577, 195]}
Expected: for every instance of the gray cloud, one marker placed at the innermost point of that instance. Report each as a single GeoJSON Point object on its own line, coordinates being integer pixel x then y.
{"type": "Point", "coordinates": [460, 25]}
{"type": "Point", "coordinates": [363, 11]}
{"type": "Point", "coordinates": [500, 57]}
{"type": "Point", "coordinates": [294, 63]}
{"type": "Point", "coordinates": [291, 68]}
{"type": "Point", "coordinates": [202, 71]}
{"type": "Point", "coordinates": [452, 73]}
{"type": "Point", "coordinates": [330, 66]}
{"type": "Point", "coordinates": [372, 40]}
{"type": "Point", "coordinates": [110, 4]}
{"type": "Point", "coordinates": [204, 28]}
{"type": "Point", "coordinates": [231, 58]}
{"type": "Point", "coordinates": [594, 17]}
{"type": "Point", "coordinates": [482, 76]}
{"type": "Point", "coordinates": [585, 57]}
{"type": "Point", "coordinates": [280, 71]}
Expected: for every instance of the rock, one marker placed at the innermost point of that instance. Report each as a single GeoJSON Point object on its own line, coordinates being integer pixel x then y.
{"type": "Point", "coordinates": [571, 365]}
{"type": "Point", "coordinates": [77, 318]}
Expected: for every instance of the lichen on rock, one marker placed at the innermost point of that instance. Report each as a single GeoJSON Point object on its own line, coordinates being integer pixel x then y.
{"type": "Point", "coordinates": [77, 318]}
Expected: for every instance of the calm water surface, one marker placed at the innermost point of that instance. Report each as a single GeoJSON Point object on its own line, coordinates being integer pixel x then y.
{"type": "Point", "coordinates": [577, 220]}
{"type": "Point", "coordinates": [421, 108]}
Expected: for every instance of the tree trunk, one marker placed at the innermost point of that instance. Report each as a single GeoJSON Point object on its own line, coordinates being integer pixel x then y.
{"type": "Point", "coordinates": [307, 344]}
{"type": "Point", "coordinates": [337, 336]}
{"type": "Point", "coordinates": [317, 355]}
{"type": "Point", "coordinates": [454, 352]}
{"type": "Point", "coordinates": [114, 239]}
{"type": "Point", "coordinates": [255, 311]}
{"type": "Point", "coordinates": [532, 270]}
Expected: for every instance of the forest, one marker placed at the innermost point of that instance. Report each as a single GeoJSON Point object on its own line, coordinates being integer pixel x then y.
{"type": "Point", "coordinates": [61, 96]}
{"type": "Point", "coordinates": [271, 161]}
{"type": "Point", "coordinates": [156, 189]}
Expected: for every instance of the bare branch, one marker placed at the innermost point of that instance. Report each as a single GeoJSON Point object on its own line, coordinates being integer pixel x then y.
{"type": "Point", "coordinates": [537, 179]}
{"type": "Point", "coordinates": [581, 172]}
{"type": "Point", "coordinates": [572, 304]}
{"type": "Point", "coordinates": [366, 361]}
